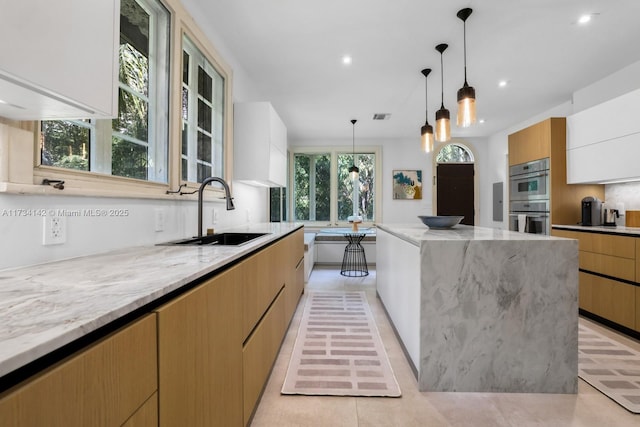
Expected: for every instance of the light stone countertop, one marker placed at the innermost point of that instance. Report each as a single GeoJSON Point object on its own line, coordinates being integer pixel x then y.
{"type": "Point", "coordinates": [417, 233]}
{"type": "Point", "coordinates": [46, 306]}
{"type": "Point", "coordinates": [621, 230]}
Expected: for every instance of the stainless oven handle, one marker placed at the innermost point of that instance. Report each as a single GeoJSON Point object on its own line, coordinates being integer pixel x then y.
{"type": "Point", "coordinates": [529, 175]}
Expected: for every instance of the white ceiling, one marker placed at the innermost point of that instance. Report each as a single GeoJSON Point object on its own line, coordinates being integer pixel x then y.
{"type": "Point", "coordinates": [292, 49]}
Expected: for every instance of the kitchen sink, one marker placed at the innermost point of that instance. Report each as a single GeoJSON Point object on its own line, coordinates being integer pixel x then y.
{"type": "Point", "coordinates": [222, 239]}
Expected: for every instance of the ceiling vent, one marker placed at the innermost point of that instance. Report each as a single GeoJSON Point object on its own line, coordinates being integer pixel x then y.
{"type": "Point", "coordinates": [381, 116]}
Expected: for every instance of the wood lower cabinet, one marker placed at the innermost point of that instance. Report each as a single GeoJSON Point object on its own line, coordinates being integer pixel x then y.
{"type": "Point", "coordinates": [200, 355]}
{"type": "Point", "coordinates": [615, 297]}
{"type": "Point", "coordinates": [147, 415]}
{"type": "Point", "coordinates": [102, 385]}
{"type": "Point", "coordinates": [294, 281]}
{"type": "Point", "coordinates": [259, 353]}
{"type": "Point", "coordinates": [610, 299]}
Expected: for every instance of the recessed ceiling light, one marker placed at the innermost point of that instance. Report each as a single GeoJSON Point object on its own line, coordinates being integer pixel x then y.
{"type": "Point", "coordinates": [502, 83]}
{"type": "Point", "coordinates": [584, 19]}
{"type": "Point", "coordinates": [481, 121]}
{"type": "Point", "coordinates": [347, 60]}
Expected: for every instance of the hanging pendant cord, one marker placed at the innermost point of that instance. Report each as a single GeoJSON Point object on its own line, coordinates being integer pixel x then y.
{"type": "Point", "coordinates": [464, 35]}
{"type": "Point", "coordinates": [426, 98]}
{"type": "Point", "coordinates": [441, 83]}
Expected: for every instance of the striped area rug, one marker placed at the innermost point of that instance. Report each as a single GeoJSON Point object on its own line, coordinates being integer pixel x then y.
{"type": "Point", "coordinates": [610, 367]}
{"type": "Point", "coordinates": [338, 350]}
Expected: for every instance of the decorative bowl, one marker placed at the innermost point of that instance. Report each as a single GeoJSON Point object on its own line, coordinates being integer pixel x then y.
{"type": "Point", "coordinates": [441, 221]}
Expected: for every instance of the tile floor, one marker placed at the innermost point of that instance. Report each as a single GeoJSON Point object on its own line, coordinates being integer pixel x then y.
{"type": "Point", "coordinates": [426, 409]}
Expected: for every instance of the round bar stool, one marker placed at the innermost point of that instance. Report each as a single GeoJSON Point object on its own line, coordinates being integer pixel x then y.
{"type": "Point", "coordinates": [354, 261]}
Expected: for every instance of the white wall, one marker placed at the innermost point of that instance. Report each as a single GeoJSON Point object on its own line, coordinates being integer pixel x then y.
{"type": "Point", "coordinates": [21, 225]}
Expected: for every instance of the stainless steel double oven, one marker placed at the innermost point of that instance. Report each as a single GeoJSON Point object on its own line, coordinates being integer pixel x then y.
{"type": "Point", "coordinates": [529, 191]}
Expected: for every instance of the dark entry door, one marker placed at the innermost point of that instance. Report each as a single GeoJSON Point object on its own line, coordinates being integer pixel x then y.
{"type": "Point", "coordinates": [455, 194]}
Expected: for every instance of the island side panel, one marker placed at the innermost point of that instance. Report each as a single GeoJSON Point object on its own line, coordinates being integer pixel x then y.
{"type": "Point", "coordinates": [499, 316]}
{"type": "Point", "coordinates": [398, 287]}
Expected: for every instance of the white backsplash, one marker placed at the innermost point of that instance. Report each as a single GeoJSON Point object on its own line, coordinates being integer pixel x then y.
{"type": "Point", "coordinates": [625, 196]}
{"type": "Point", "coordinates": [133, 222]}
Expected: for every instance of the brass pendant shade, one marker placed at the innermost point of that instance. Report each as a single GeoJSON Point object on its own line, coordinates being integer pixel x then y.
{"type": "Point", "coordinates": [354, 172]}
{"type": "Point", "coordinates": [426, 132]}
{"type": "Point", "coordinates": [467, 94]}
{"type": "Point", "coordinates": [443, 122]}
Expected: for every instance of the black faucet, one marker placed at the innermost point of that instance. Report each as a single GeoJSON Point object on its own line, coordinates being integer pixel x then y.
{"type": "Point", "coordinates": [201, 189]}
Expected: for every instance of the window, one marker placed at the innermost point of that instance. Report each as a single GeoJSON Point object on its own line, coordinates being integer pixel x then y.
{"type": "Point", "coordinates": [454, 153]}
{"type": "Point", "coordinates": [202, 116]}
{"type": "Point", "coordinates": [135, 144]}
{"type": "Point", "coordinates": [323, 191]}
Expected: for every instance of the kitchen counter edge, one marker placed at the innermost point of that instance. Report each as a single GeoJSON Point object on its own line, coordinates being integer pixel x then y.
{"type": "Point", "coordinates": [46, 307]}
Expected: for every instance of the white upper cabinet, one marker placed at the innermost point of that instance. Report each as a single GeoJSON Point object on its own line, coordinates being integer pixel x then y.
{"type": "Point", "coordinates": [603, 142]}
{"type": "Point", "coordinates": [59, 59]}
{"type": "Point", "coordinates": [259, 145]}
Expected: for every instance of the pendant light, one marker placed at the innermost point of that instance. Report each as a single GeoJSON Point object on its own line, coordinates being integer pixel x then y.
{"type": "Point", "coordinates": [466, 94]}
{"type": "Point", "coordinates": [443, 122]}
{"type": "Point", "coordinates": [427, 130]}
{"type": "Point", "coordinates": [354, 172]}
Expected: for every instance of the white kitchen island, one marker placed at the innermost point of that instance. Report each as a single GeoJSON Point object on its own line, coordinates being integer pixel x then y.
{"type": "Point", "coordinates": [480, 309]}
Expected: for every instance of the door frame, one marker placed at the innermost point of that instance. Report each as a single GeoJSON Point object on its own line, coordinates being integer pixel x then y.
{"type": "Point", "coordinates": [434, 189]}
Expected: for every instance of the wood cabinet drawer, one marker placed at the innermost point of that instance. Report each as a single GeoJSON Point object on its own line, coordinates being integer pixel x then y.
{"type": "Point", "coordinates": [102, 385]}
{"type": "Point", "coordinates": [607, 244]}
{"type": "Point", "coordinates": [623, 268]}
{"type": "Point", "coordinates": [260, 352]}
{"type": "Point", "coordinates": [259, 287]}
{"type": "Point", "coordinates": [199, 355]}
{"type": "Point", "coordinates": [608, 298]}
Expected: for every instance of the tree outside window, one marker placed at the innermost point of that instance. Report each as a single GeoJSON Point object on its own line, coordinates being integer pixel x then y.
{"type": "Point", "coordinates": [319, 198]}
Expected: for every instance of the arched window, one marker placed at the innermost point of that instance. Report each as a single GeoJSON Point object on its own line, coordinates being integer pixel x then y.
{"type": "Point", "coordinates": [454, 153]}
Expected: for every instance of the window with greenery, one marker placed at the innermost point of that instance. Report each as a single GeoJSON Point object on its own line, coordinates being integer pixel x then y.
{"type": "Point", "coordinates": [454, 153]}
{"type": "Point", "coordinates": [202, 116]}
{"type": "Point", "coordinates": [277, 204]}
{"type": "Point", "coordinates": [324, 192]}
{"type": "Point", "coordinates": [356, 200]}
{"type": "Point", "coordinates": [135, 144]}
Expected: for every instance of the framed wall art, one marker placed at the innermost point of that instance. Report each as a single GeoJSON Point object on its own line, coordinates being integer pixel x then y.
{"type": "Point", "coordinates": [407, 184]}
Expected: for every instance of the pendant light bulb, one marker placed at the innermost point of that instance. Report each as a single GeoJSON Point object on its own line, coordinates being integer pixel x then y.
{"type": "Point", "coordinates": [443, 118]}
{"type": "Point", "coordinates": [354, 172]}
{"type": "Point", "coordinates": [426, 132]}
{"type": "Point", "coordinates": [466, 94]}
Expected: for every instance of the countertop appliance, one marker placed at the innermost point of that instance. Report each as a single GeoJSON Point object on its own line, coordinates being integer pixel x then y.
{"type": "Point", "coordinates": [529, 195]}
{"type": "Point", "coordinates": [609, 217]}
{"type": "Point", "coordinates": [591, 211]}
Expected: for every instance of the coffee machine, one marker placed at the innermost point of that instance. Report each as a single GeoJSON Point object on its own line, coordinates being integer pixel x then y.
{"type": "Point", "coordinates": [591, 211]}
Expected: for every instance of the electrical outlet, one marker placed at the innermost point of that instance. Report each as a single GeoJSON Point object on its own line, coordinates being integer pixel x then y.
{"type": "Point", "coordinates": [159, 219]}
{"type": "Point", "coordinates": [215, 216]}
{"type": "Point", "coordinates": [54, 230]}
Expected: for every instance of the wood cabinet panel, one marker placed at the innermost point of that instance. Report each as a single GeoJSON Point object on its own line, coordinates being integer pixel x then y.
{"type": "Point", "coordinates": [200, 355]}
{"type": "Point", "coordinates": [259, 286]}
{"type": "Point", "coordinates": [610, 299]}
{"type": "Point", "coordinates": [585, 291]}
{"type": "Point", "coordinates": [259, 353]}
{"type": "Point", "coordinates": [623, 268]}
{"type": "Point", "coordinates": [531, 143]}
{"type": "Point", "coordinates": [294, 282]}
{"type": "Point", "coordinates": [619, 246]}
{"type": "Point", "coordinates": [637, 327]}
{"type": "Point", "coordinates": [147, 415]}
{"type": "Point", "coordinates": [102, 385]}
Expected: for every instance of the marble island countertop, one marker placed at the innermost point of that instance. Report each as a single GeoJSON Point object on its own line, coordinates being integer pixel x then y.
{"type": "Point", "coordinates": [480, 309]}
{"type": "Point", "coordinates": [417, 233]}
{"type": "Point", "coordinates": [46, 306]}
